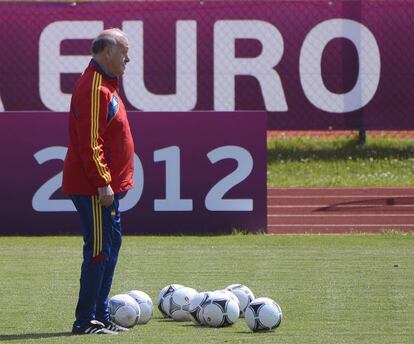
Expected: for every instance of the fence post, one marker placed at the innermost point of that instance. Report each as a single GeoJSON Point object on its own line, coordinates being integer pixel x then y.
{"type": "Point", "coordinates": [355, 120]}
{"type": "Point", "coordinates": [362, 136]}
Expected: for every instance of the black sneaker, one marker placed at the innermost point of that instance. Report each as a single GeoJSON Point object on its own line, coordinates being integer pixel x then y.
{"type": "Point", "coordinates": [95, 327]}
{"type": "Point", "coordinates": [111, 326]}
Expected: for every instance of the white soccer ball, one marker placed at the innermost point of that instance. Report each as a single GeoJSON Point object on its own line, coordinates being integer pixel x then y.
{"type": "Point", "coordinates": [244, 294]}
{"type": "Point", "coordinates": [263, 314]}
{"type": "Point", "coordinates": [220, 310]}
{"type": "Point", "coordinates": [195, 308]}
{"type": "Point", "coordinates": [163, 301]}
{"type": "Point", "coordinates": [145, 305]}
{"type": "Point", "coordinates": [179, 303]}
{"type": "Point", "coordinates": [124, 310]}
{"type": "Point", "coordinates": [229, 294]}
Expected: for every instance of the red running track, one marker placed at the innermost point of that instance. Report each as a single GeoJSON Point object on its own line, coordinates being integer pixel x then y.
{"type": "Point", "coordinates": [340, 210]}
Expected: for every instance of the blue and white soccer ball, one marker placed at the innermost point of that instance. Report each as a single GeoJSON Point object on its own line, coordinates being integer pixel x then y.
{"type": "Point", "coordinates": [195, 308]}
{"type": "Point", "coordinates": [230, 294]}
{"type": "Point", "coordinates": [220, 310]}
{"type": "Point", "coordinates": [179, 303]}
{"type": "Point", "coordinates": [263, 314]}
{"type": "Point", "coordinates": [163, 301]}
{"type": "Point", "coordinates": [145, 305]}
{"type": "Point", "coordinates": [244, 295]}
{"type": "Point", "coordinates": [124, 310]}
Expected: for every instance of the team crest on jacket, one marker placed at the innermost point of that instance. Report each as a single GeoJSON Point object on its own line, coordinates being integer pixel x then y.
{"type": "Point", "coordinates": [113, 107]}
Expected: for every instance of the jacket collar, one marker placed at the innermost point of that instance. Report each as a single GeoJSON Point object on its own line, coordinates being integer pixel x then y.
{"type": "Point", "coordinates": [100, 70]}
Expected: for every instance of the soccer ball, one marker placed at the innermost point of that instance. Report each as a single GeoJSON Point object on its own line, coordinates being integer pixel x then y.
{"type": "Point", "coordinates": [179, 303]}
{"type": "Point", "coordinates": [145, 305]}
{"type": "Point", "coordinates": [124, 310]}
{"type": "Point", "coordinates": [244, 294]}
{"type": "Point", "coordinates": [229, 294]}
{"type": "Point", "coordinates": [263, 314]}
{"type": "Point", "coordinates": [195, 308]}
{"type": "Point", "coordinates": [220, 310]}
{"type": "Point", "coordinates": [164, 296]}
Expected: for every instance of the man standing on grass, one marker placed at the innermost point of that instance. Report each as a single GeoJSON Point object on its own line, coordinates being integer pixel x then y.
{"type": "Point", "coordinates": [97, 168]}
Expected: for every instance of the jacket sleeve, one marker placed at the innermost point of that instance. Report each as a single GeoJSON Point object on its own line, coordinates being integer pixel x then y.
{"type": "Point", "coordinates": [92, 107]}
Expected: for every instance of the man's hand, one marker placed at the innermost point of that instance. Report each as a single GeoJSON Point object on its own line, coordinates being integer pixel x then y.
{"type": "Point", "coordinates": [106, 195]}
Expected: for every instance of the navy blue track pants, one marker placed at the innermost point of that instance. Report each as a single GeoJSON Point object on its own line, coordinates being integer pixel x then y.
{"type": "Point", "coordinates": [102, 236]}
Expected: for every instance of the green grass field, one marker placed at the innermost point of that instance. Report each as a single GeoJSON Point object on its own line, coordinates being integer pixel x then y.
{"type": "Point", "coordinates": [332, 289]}
{"type": "Point", "coordinates": [351, 289]}
{"type": "Point", "coordinates": [340, 161]}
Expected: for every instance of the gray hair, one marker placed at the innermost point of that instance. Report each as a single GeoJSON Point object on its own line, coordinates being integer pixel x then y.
{"type": "Point", "coordinates": [101, 42]}
{"type": "Point", "coordinates": [105, 39]}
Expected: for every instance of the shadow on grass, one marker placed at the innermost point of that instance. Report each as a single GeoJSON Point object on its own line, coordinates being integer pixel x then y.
{"type": "Point", "coordinates": [251, 333]}
{"type": "Point", "coordinates": [167, 320]}
{"type": "Point", "coordinates": [336, 149]}
{"type": "Point", "coordinates": [27, 336]}
{"type": "Point", "coordinates": [195, 326]}
{"type": "Point", "coordinates": [210, 328]}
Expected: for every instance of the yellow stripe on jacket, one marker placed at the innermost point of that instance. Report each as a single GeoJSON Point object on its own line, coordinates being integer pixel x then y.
{"type": "Point", "coordinates": [96, 83]}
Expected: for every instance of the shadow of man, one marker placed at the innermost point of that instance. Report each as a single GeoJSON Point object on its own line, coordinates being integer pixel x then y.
{"type": "Point", "coordinates": [23, 336]}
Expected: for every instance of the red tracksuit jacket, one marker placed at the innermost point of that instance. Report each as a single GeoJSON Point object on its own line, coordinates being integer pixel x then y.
{"type": "Point", "coordinates": [101, 149]}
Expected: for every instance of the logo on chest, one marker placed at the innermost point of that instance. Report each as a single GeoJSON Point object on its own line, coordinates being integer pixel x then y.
{"type": "Point", "coordinates": [113, 107]}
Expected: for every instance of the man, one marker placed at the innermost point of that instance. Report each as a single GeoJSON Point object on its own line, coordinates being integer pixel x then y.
{"type": "Point", "coordinates": [97, 168]}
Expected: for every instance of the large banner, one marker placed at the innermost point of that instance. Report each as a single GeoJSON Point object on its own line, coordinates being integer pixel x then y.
{"type": "Point", "coordinates": [186, 180]}
{"type": "Point", "coordinates": [308, 64]}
